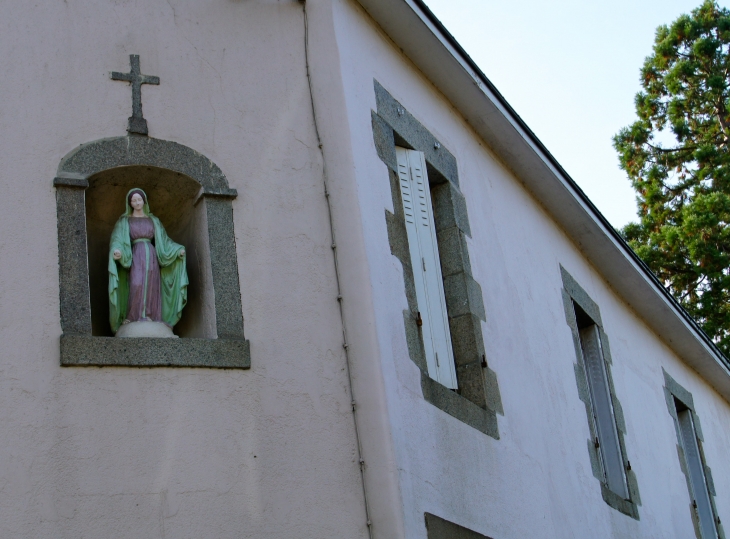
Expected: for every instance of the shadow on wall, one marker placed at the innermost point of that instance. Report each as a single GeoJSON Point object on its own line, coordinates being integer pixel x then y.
{"type": "Point", "coordinates": [175, 199]}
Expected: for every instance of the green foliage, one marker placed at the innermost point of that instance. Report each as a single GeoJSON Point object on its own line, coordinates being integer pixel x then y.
{"type": "Point", "coordinates": [677, 157]}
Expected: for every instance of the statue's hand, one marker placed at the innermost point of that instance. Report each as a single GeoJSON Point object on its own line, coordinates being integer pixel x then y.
{"type": "Point", "coordinates": [117, 254]}
{"type": "Point", "coordinates": [181, 253]}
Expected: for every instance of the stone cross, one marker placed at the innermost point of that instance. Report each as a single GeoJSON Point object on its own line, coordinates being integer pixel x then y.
{"type": "Point", "coordinates": [137, 124]}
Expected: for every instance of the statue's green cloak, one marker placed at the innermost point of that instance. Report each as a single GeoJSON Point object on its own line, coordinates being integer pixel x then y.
{"type": "Point", "coordinates": [173, 275]}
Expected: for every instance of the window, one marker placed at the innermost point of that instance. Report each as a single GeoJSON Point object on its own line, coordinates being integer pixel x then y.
{"type": "Point", "coordinates": [606, 444]}
{"type": "Point", "coordinates": [421, 231]}
{"type": "Point", "coordinates": [697, 473]}
{"type": "Point", "coordinates": [696, 469]}
{"type": "Point", "coordinates": [458, 381]}
{"type": "Point", "coordinates": [604, 421]}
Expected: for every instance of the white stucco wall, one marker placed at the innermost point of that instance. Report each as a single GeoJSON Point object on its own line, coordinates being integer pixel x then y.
{"type": "Point", "coordinates": [170, 452]}
{"type": "Point", "coordinates": [535, 481]}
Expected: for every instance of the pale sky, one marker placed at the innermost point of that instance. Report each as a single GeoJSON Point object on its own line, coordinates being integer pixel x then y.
{"type": "Point", "coordinates": [570, 69]}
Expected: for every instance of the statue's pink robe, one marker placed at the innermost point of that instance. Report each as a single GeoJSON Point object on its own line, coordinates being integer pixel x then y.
{"type": "Point", "coordinates": [145, 302]}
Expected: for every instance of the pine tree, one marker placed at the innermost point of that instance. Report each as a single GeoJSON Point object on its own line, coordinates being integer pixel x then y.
{"type": "Point", "coordinates": [677, 157]}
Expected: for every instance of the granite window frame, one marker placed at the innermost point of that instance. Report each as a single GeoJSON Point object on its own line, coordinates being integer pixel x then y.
{"type": "Point", "coordinates": [78, 347]}
{"type": "Point", "coordinates": [439, 528]}
{"type": "Point", "coordinates": [573, 294]}
{"type": "Point", "coordinates": [477, 400]}
{"type": "Point", "coordinates": [673, 391]}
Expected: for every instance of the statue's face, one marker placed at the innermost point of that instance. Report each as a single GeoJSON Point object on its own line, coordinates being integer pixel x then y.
{"type": "Point", "coordinates": [137, 201]}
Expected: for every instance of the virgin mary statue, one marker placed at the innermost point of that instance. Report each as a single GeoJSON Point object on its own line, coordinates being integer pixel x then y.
{"type": "Point", "coordinates": [148, 282]}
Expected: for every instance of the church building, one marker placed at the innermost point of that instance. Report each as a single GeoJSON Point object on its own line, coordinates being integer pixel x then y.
{"type": "Point", "coordinates": [276, 269]}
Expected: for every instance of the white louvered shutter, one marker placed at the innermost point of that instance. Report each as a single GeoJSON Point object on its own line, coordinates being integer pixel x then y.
{"type": "Point", "coordinates": [426, 266]}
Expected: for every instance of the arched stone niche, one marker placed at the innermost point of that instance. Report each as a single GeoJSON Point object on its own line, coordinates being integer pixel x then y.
{"type": "Point", "coordinates": [191, 196]}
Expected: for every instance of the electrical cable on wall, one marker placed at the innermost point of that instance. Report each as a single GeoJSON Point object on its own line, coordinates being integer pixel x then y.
{"type": "Point", "coordinates": [345, 343]}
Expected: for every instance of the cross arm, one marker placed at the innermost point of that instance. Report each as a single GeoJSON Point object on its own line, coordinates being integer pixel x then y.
{"type": "Point", "coordinates": [129, 77]}
{"type": "Point", "coordinates": [149, 79]}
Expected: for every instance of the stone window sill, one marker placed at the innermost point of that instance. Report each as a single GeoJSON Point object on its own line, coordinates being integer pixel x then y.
{"type": "Point", "coordinates": [450, 402]}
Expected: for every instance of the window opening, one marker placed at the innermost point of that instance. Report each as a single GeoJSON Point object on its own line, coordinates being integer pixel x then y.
{"type": "Point", "coordinates": [421, 231]}
{"type": "Point", "coordinates": [602, 413]}
{"type": "Point", "coordinates": [698, 482]}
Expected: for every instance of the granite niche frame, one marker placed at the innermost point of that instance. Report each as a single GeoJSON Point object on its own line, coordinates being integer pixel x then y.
{"type": "Point", "coordinates": [573, 293]}
{"type": "Point", "coordinates": [477, 400]}
{"type": "Point", "coordinates": [78, 346]}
